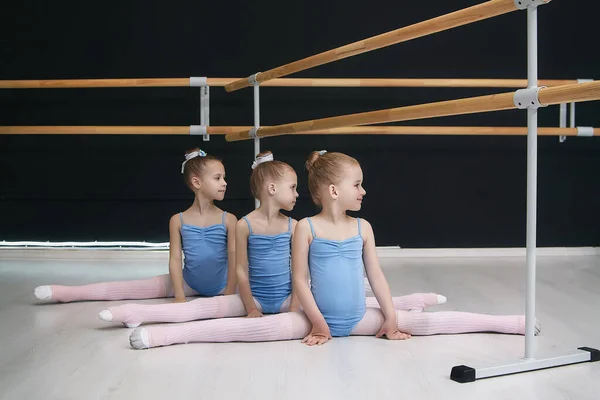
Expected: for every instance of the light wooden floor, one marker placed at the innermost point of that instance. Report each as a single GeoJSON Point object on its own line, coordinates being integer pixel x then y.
{"type": "Point", "coordinates": [62, 351]}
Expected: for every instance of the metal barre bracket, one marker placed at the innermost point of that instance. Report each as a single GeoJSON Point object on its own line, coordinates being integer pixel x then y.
{"type": "Point", "coordinates": [528, 98]}
{"type": "Point", "coordinates": [196, 81]}
{"type": "Point", "coordinates": [252, 79]}
{"type": "Point", "coordinates": [197, 130]}
{"type": "Point", "coordinates": [523, 4]}
{"type": "Point", "coordinates": [586, 131]}
{"type": "Point", "coordinates": [253, 133]}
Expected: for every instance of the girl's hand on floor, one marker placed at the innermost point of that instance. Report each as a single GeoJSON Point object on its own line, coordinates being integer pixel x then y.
{"type": "Point", "coordinates": [390, 330]}
{"type": "Point", "coordinates": [317, 336]}
{"type": "Point", "coordinates": [254, 314]}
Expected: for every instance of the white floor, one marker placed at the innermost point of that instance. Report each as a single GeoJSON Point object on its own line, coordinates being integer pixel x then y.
{"type": "Point", "coordinates": [62, 351]}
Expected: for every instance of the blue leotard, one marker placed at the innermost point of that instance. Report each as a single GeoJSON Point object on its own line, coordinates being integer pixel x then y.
{"type": "Point", "coordinates": [337, 282]}
{"type": "Point", "coordinates": [205, 251]}
{"type": "Point", "coordinates": [269, 268]}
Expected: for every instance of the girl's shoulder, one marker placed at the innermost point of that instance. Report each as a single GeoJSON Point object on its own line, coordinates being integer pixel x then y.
{"type": "Point", "coordinates": [242, 223]}
{"type": "Point", "coordinates": [175, 221]}
{"type": "Point", "coordinates": [302, 227]}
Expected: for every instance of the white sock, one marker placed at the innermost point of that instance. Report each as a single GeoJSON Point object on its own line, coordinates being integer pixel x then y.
{"type": "Point", "coordinates": [440, 300]}
{"type": "Point", "coordinates": [139, 339]}
{"type": "Point", "coordinates": [43, 293]}
{"type": "Point", "coordinates": [106, 315]}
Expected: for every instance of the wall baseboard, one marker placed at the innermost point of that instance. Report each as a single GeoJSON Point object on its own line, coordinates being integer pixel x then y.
{"type": "Point", "coordinates": [54, 253]}
{"type": "Point", "coordinates": [385, 252]}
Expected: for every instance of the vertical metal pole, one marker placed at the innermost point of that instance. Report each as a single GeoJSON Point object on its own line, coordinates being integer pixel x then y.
{"type": "Point", "coordinates": [202, 101]}
{"type": "Point", "coordinates": [572, 115]}
{"type": "Point", "coordinates": [563, 121]}
{"type": "Point", "coordinates": [205, 109]}
{"type": "Point", "coordinates": [563, 115]}
{"type": "Point", "coordinates": [256, 125]}
{"type": "Point", "coordinates": [532, 122]}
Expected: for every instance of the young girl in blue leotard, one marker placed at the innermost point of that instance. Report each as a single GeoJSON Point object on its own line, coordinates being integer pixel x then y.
{"type": "Point", "coordinates": [263, 240]}
{"type": "Point", "coordinates": [335, 249]}
{"type": "Point", "coordinates": [204, 233]}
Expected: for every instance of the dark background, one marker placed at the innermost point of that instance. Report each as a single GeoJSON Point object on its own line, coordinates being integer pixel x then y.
{"type": "Point", "coordinates": [422, 191]}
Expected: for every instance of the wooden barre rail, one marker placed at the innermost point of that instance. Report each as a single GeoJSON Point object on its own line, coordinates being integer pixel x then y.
{"type": "Point", "coordinates": [547, 96]}
{"type": "Point", "coordinates": [93, 83]}
{"type": "Point", "coordinates": [223, 130]}
{"type": "Point", "coordinates": [465, 16]}
{"type": "Point", "coordinates": [283, 82]}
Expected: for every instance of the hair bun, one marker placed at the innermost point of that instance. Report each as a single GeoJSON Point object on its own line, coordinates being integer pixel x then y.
{"type": "Point", "coordinates": [312, 158]}
{"type": "Point", "coordinates": [192, 154]}
{"type": "Point", "coordinates": [262, 157]}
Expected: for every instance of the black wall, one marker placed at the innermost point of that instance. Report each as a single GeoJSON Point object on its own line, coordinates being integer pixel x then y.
{"type": "Point", "coordinates": [422, 191]}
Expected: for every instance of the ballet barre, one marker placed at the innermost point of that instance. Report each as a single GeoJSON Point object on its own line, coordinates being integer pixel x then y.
{"type": "Point", "coordinates": [283, 82]}
{"type": "Point", "coordinates": [454, 19]}
{"type": "Point", "coordinates": [547, 96]}
{"type": "Point", "coordinates": [349, 130]}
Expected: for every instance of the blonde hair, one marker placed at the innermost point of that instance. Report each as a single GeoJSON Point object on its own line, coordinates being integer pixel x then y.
{"type": "Point", "coordinates": [265, 172]}
{"type": "Point", "coordinates": [325, 169]}
{"type": "Point", "coordinates": [195, 166]}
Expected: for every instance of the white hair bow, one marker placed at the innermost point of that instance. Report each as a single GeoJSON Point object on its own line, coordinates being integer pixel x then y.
{"type": "Point", "coordinates": [193, 154]}
{"type": "Point", "coordinates": [262, 159]}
